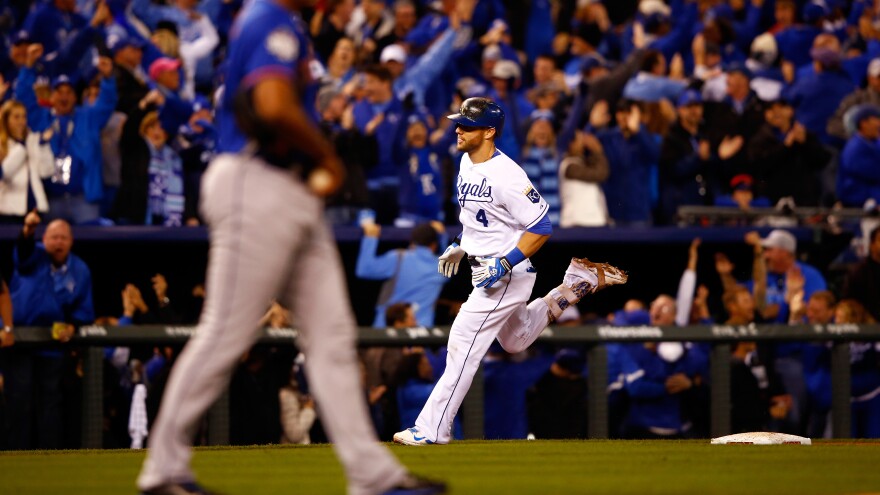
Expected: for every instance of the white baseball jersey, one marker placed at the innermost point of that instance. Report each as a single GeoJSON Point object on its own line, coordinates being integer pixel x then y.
{"type": "Point", "coordinates": [498, 204]}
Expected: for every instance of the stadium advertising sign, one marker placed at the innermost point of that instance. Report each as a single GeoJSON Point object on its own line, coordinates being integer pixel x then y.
{"type": "Point", "coordinates": [107, 334]}
{"type": "Point", "coordinates": [634, 333]}
{"type": "Point", "coordinates": [735, 331]}
{"type": "Point", "coordinates": [92, 331]}
{"type": "Point", "coordinates": [838, 329]}
{"type": "Point", "coordinates": [414, 332]}
{"type": "Point", "coordinates": [282, 333]}
{"type": "Point", "coordinates": [180, 331]}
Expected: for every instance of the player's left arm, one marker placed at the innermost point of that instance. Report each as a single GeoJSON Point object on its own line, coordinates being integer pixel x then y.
{"type": "Point", "coordinates": [530, 242]}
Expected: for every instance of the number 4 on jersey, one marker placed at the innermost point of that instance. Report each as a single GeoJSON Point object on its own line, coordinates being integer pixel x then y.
{"type": "Point", "coordinates": [481, 217]}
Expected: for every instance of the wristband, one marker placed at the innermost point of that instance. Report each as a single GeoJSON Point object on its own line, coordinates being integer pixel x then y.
{"type": "Point", "coordinates": [513, 258]}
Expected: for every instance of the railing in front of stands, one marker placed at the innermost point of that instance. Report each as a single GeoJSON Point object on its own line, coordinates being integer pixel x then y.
{"type": "Point", "coordinates": [719, 337]}
{"type": "Point", "coordinates": [99, 335]}
{"type": "Point", "coordinates": [784, 216]}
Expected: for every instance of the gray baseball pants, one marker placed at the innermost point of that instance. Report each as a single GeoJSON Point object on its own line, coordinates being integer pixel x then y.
{"type": "Point", "coordinates": [269, 240]}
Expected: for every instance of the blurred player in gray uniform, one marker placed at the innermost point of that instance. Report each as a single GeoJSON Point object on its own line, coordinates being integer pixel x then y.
{"type": "Point", "coordinates": [504, 221]}
{"type": "Point", "coordinates": [268, 240]}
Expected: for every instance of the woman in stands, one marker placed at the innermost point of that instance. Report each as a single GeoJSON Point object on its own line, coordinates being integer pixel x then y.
{"type": "Point", "coordinates": [26, 159]}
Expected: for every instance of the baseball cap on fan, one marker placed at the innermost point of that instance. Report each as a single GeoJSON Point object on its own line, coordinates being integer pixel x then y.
{"type": "Point", "coordinates": [418, 118]}
{"type": "Point", "coordinates": [21, 37]}
{"type": "Point", "coordinates": [499, 24]}
{"type": "Point", "coordinates": [652, 7]}
{"type": "Point", "coordinates": [61, 81]}
{"type": "Point", "coordinates": [161, 65]}
{"type": "Point", "coordinates": [200, 103]}
{"type": "Point", "coordinates": [654, 13]}
{"type": "Point", "coordinates": [506, 69]}
{"type": "Point", "coordinates": [690, 97]}
{"type": "Point", "coordinates": [592, 61]}
{"type": "Point", "coordinates": [739, 68]}
{"type": "Point", "coordinates": [117, 43]}
{"type": "Point", "coordinates": [393, 53]}
{"type": "Point", "coordinates": [492, 52]}
{"type": "Point", "coordinates": [781, 239]}
{"type": "Point", "coordinates": [764, 49]}
{"type": "Point", "coordinates": [571, 360]}
{"type": "Point", "coordinates": [813, 12]}
{"type": "Point", "coordinates": [741, 182]}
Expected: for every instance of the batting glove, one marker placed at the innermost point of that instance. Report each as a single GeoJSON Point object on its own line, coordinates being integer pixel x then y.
{"type": "Point", "coordinates": [491, 270]}
{"type": "Point", "coordinates": [448, 264]}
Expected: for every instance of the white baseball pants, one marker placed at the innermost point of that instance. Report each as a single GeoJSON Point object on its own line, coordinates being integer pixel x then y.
{"type": "Point", "coordinates": [269, 240]}
{"type": "Point", "coordinates": [499, 312]}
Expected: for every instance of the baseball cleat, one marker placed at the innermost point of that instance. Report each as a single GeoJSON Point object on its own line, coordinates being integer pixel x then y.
{"type": "Point", "coordinates": [411, 436]}
{"type": "Point", "coordinates": [585, 277]}
{"type": "Point", "coordinates": [190, 488]}
{"type": "Point", "coordinates": [415, 485]}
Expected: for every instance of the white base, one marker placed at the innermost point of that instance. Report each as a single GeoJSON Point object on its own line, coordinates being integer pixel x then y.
{"type": "Point", "coordinates": [761, 438]}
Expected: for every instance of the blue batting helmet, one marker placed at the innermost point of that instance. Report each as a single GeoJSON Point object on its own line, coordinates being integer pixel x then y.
{"type": "Point", "coordinates": [479, 112]}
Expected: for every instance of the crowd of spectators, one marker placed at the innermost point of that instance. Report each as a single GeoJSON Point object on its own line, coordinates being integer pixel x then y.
{"type": "Point", "coordinates": [655, 390]}
{"type": "Point", "coordinates": [619, 111]}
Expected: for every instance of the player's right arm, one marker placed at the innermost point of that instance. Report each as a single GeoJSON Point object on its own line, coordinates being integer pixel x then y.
{"type": "Point", "coordinates": [273, 53]}
{"type": "Point", "coordinates": [531, 242]}
{"type": "Point", "coordinates": [277, 106]}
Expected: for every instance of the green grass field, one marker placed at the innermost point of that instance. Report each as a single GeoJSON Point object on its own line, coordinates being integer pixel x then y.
{"type": "Point", "coordinates": [484, 468]}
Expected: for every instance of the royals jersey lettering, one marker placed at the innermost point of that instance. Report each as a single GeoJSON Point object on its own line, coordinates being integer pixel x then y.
{"type": "Point", "coordinates": [498, 204]}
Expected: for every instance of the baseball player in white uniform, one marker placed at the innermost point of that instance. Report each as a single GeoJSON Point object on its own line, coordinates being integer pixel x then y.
{"type": "Point", "coordinates": [269, 240]}
{"type": "Point", "coordinates": [504, 221]}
